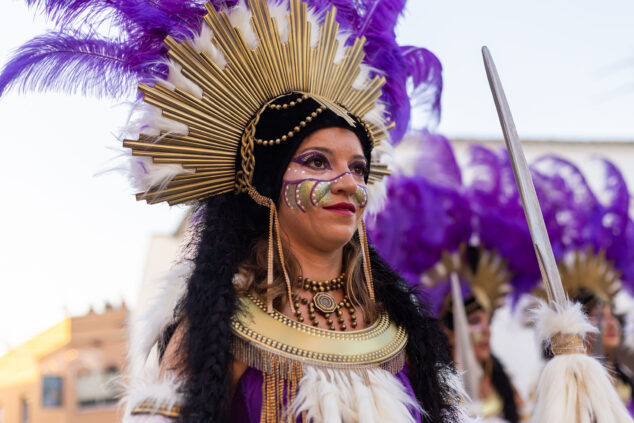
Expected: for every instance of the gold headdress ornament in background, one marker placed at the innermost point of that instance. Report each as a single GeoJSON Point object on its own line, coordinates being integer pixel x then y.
{"type": "Point", "coordinates": [489, 284]}
{"type": "Point", "coordinates": [588, 270]}
{"type": "Point", "coordinates": [221, 122]}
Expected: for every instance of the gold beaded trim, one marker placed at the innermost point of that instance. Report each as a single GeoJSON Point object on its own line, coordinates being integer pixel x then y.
{"type": "Point", "coordinates": [322, 286]}
{"type": "Point", "coordinates": [288, 105]}
{"type": "Point", "coordinates": [295, 130]}
{"type": "Point", "coordinates": [377, 328]}
{"type": "Point", "coordinates": [146, 407]}
{"type": "Point", "coordinates": [258, 336]}
{"type": "Point", "coordinates": [567, 344]}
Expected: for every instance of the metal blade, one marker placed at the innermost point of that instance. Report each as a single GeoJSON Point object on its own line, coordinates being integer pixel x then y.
{"type": "Point", "coordinates": [533, 212]}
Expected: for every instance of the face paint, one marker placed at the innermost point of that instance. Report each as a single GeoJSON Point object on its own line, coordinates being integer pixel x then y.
{"type": "Point", "coordinates": [303, 193]}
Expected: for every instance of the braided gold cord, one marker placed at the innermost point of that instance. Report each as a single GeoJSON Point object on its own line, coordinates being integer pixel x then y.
{"type": "Point", "coordinates": [561, 344]}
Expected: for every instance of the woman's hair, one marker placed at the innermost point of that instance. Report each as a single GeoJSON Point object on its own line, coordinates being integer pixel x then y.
{"type": "Point", "coordinates": [504, 387]}
{"type": "Point", "coordinates": [252, 273]}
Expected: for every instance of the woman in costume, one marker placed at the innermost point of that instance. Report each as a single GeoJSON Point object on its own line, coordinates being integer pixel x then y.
{"type": "Point", "coordinates": [268, 119]}
{"type": "Point", "coordinates": [597, 249]}
{"type": "Point", "coordinates": [425, 234]}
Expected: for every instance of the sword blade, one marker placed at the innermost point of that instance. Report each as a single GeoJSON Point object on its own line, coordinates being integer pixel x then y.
{"type": "Point", "coordinates": [530, 203]}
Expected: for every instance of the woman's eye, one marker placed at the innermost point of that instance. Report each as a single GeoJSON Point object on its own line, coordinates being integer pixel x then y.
{"type": "Point", "coordinates": [360, 169]}
{"type": "Point", "coordinates": [314, 161]}
{"type": "Point", "coordinates": [317, 162]}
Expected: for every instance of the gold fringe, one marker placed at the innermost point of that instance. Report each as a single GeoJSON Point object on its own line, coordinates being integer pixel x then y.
{"type": "Point", "coordinates": [367, 268]}
{"type": "Point", "coordinates": [281, 376]}
{"type": "Point", "coordinates": [275, 238]}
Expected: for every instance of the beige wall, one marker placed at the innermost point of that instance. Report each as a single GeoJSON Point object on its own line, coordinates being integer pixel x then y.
{"type": "Point", "coordinates": [89, 343]}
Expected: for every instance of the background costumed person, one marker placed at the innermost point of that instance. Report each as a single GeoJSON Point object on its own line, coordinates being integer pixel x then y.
{"type": "Point", "coordinates": [596, 244]}
{"type": "Point", "coordinates": [425, 235]}
{"type": "Point", "coordinates": [573, 387]}
{"type": "Point", "coordinates": [270, 120]}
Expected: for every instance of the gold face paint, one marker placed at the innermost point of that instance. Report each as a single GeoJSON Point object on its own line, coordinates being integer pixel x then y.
{"type": "Point", "coordinates": [303, 193]}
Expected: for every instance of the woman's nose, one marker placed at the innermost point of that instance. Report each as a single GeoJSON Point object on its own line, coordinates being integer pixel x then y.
{"type": "Point", "coordinates": [344, 184]}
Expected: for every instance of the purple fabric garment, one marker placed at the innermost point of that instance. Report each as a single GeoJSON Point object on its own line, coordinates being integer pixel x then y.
{"type": "Point", "coordinates": [247, 402]}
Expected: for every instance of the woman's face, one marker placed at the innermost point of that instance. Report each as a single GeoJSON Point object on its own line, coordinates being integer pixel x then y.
{"type": "Point", "coordinates": [610, 326]}
{"type": "Point", "coordinates": [323, 191]}
{"type": "Point", "coordinates": [480, 331]}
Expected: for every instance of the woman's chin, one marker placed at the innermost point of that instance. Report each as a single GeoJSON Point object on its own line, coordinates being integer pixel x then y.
{"type": "Point", "coordinates": [336, 236]}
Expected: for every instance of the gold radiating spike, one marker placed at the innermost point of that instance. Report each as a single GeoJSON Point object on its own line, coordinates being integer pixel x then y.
{"type": "Point", "coordinates": [234, 94]}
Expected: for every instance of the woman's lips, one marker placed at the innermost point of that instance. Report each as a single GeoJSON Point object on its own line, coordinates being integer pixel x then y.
{"type": "Point", "coordinates": [347, 209]}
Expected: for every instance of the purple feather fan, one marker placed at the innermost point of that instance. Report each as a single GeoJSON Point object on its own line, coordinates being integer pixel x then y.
{"type": "Point", "coordinates": [499, 219]}
{"type": "Point", "coordinates": [586, 218]}
{"type": "Point", "coordinates": [414, 75]}
{"type": "Point", "coordinates": [426, 214]}
{"type": "Point", "coordinates": [70, 62]}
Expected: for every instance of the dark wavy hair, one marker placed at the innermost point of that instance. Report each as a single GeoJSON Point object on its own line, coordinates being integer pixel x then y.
{"type": "Point", "coordinates": [228, 228]}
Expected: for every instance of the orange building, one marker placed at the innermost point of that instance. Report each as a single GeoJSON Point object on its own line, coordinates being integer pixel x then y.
{"type": "Point", "coordinates": [68, 373]}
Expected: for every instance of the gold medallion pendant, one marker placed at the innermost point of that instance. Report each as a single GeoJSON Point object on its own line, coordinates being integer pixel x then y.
{"type": "Point", "coordinates": [325, 302]}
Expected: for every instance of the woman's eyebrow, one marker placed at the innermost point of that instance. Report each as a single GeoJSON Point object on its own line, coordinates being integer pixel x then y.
{"type": "Point", "coordinates": [359, 157]}
{"type": "Point", "coordinates": [322, 149]}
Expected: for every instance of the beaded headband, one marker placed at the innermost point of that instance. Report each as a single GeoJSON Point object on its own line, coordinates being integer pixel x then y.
{"type": "Point", "coordinates": [226, 86]}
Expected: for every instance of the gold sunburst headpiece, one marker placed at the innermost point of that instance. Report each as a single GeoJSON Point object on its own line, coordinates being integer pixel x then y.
{"type": "Point", "coordinates": [588, 270]}
{"type": "Point", "coordinates": [234, 79]}
{"type": "Point", "coordinates": [489, 284]}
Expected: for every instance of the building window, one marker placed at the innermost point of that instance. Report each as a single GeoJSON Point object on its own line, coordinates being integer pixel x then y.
{"type": "Point", "coordinates": [97, 388]}
{"type": "Point", "coordinates": [25, 416]}
{"type": "Point", "coordinates": [51, 391]}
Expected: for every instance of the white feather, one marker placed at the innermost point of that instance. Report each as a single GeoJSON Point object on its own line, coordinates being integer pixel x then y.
{"type": "Point", "coordinates": [177, 80]}
{"type": "Point", "coordinates": [240, 17]}
{"type": "Point", "coordinates": [628, 331]}
{"type": "Point", "coordinates": [149, 120]}
{"type": "Point", "coordinates": [279, 11]}
{"type": "Point", "coordinates": [573, 388]}
{"type": "Point", "coordinates": [153, 313]}
{"type": "Point", "coordinates": [342, 396]}
{"type": "Point", "coordinates": [377, 191]}
{"type": "Point", "coordinates": [315, 28]}
{"type": "Point", "coordinates": [202, 43]}
{"type": "Point", "coordinates": [163, 391]}
{"type": "Point", "coordinates": [340, 54]}
{"type": "Point", "coordinates": [568, 319]}
{"type": "Point", "coordinates": [142, 172]}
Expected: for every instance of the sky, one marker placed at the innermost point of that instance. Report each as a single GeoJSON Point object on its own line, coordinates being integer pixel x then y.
{"type": "Point", "coordinates": [73, 236]}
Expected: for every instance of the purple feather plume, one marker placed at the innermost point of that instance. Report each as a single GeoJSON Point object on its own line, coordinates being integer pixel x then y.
{"type": "Point", "coordinates": [58, 61]}
{"type": "Point", "coordinates": [425, 216]}
{"type": "Point", "coordinates": [142, 25]}
{"type": "Point", "coordinates": [498, 215]}
{"type": "Point", "coordinates": [584, 218]}
{"type": "Point", "coordinates": [408, 70]}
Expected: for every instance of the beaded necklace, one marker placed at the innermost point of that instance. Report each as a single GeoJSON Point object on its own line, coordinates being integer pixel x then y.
{"type": "Point", "coordinates": [324, 303]}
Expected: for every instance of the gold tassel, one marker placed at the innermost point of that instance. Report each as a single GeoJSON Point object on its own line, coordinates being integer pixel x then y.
{"type": "Point", "coordinates": [367, 269]}
{"type": "Point", "coordinates": [274, 238]}
{"type": "Point", "coordinates": [269, 269]}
